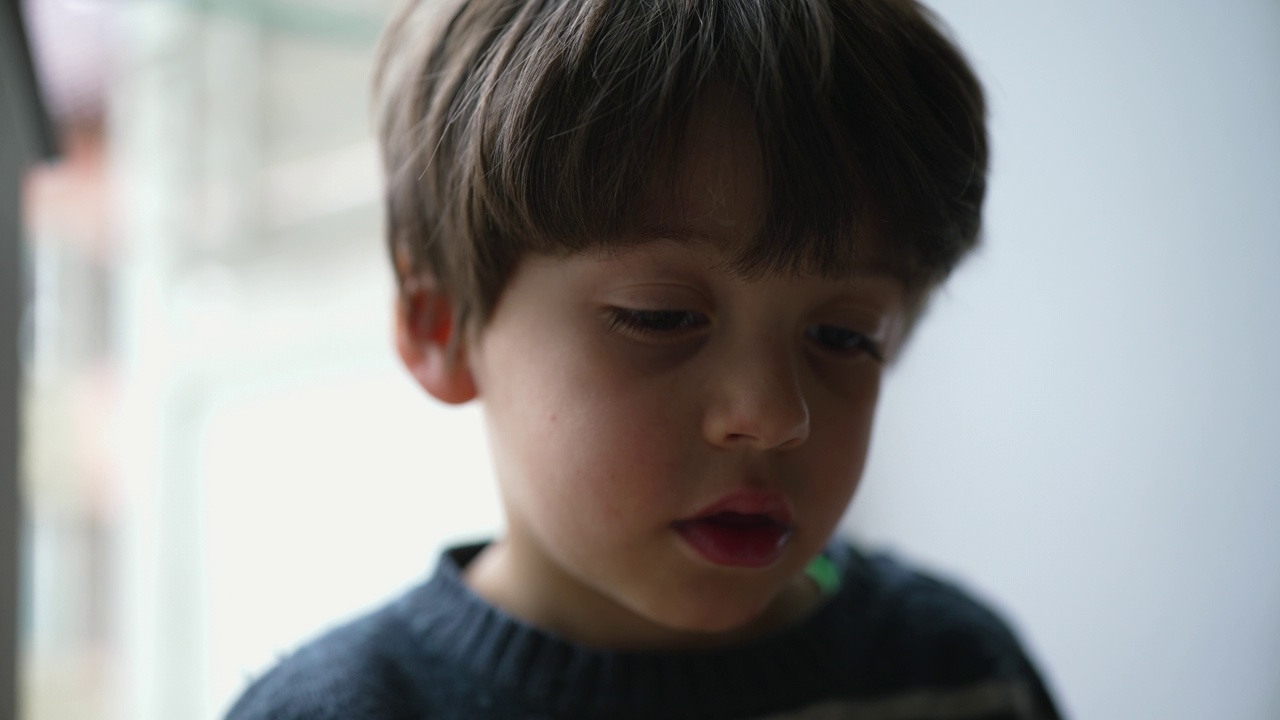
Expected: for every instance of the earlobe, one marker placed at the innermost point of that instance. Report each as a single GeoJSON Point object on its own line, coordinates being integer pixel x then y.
{"type": "Point", "coordinates": [425, 339]}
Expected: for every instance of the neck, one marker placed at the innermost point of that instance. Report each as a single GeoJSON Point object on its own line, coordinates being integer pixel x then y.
{"type": "Point", "coordinates": [511, 582]}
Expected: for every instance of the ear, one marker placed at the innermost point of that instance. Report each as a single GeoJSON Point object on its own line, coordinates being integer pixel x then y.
{"type": "Point", "coordinates": [425, 334]}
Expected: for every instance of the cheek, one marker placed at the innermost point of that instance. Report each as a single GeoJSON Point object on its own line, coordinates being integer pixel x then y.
{"type": "Point", "coordinates": [840, 438]}
{"type": "Point", "coordinates": [590, 437]}
{"type": "Point", "coordinates": [625, 448]}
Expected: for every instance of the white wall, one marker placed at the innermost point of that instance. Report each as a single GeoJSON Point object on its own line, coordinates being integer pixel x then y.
{"type": "Point", "coordinates": [1087, 428]}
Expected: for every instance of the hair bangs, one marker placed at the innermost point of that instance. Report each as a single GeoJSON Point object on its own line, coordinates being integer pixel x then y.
{"type": "Point", "coordinates": [543, 127]}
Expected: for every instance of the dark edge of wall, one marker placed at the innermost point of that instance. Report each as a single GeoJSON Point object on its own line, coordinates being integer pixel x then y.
{"type": "Point", "coordinates": [11, 164]}
{"type": "Point", "coordinates": [22, 87]}
{"type": "Point", "coordinates": [26, 135]}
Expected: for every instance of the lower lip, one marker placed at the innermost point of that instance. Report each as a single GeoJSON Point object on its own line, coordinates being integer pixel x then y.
{"type": "Point", "coordinates": [734, 545]}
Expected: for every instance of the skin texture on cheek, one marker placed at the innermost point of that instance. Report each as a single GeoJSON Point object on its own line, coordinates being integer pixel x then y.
{"type": "Point", "coordinates": [553, 443]}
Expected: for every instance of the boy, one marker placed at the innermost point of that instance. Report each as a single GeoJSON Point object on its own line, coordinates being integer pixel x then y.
{"type": "Point", "coordinates": [670, 246]}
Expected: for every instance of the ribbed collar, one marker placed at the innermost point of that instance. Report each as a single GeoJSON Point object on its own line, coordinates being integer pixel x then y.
{"type": "Point", "coordinates": [544, 672]}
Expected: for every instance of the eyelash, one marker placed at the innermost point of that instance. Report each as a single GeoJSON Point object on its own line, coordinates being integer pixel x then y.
{"type": "Point", "coordinates": [671, 322]}
{"type": "Point", "coordinates": [654, 322]}
{"type": "Point", "coordinates": [847, 341]}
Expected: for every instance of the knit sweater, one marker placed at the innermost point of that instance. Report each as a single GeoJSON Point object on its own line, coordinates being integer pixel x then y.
{"type": "Point", "coordinates": [888, 643]}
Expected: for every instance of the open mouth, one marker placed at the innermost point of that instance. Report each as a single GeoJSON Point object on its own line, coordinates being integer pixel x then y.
{"type": "Point", "coordinates": [737, 539]}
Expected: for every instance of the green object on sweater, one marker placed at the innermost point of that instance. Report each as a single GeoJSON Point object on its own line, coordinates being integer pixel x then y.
{"type": "Point", "coordinates": [824, 574]}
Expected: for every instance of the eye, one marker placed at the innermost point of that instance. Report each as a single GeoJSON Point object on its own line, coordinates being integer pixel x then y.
{"type": "Point", "coordinates": [654, 322]}
{"type": "Point", "coordinates": [845, 342]}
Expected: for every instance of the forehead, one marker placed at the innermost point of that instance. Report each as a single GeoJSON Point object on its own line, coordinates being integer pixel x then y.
{"type": "Point", "coordinates": [717, 196]}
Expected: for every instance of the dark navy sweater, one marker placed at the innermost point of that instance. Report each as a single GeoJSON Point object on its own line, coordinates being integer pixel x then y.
{"type": "Point", "coordinates": [889, 643]}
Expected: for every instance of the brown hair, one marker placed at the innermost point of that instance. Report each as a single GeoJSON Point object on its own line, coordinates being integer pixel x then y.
{"type": "Point", "coordinates": [534, 126]}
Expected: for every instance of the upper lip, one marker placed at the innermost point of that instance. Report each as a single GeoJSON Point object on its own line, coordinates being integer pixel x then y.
{"type": "Point", "coordinates": [768, 503]}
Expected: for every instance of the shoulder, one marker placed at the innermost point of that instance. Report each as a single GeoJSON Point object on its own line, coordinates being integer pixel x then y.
{"type": "Point", "coordinates": [927, 632]}
{"type": "Point", "coordinates": [934, 622]}
{"type": "Point", "coordinates": [359, 671]}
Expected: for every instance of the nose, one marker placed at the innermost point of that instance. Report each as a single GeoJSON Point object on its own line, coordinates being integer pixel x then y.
{"type": "Point", "coordinates": [756, 400]}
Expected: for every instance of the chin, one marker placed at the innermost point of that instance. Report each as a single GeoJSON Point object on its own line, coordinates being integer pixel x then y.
{"type": "Point", "coordinates": [707, 616]}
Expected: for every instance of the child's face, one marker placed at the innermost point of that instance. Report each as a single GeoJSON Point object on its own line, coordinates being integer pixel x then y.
{"type": "Point", "coordinates": [674, 443]}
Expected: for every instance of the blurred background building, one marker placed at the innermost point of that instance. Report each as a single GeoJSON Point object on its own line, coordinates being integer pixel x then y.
{"type": "Point", "coordinates": [221, 457]}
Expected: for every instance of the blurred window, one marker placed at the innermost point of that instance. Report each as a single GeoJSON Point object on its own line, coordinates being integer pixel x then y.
{"type": "Point", "coordinates": [221, 454]}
